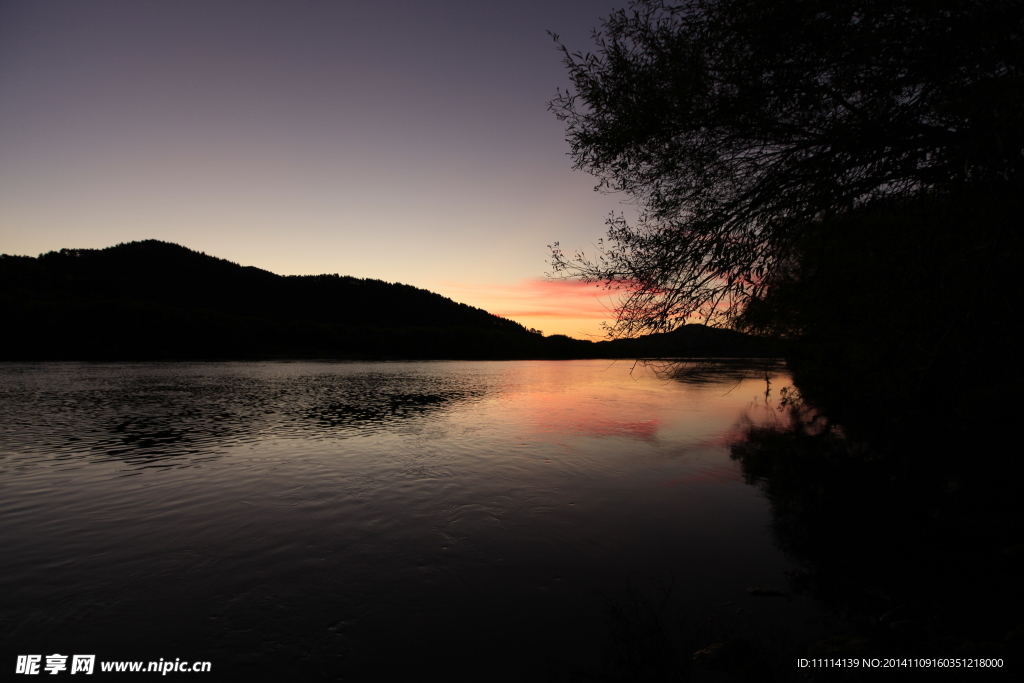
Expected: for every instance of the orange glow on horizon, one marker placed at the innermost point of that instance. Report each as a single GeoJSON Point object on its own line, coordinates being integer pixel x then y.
{"type": "Point", "coordinates": [568, 307]}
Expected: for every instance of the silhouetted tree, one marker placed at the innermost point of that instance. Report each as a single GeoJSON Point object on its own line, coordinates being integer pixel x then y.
{"type": "Point", "coordinates": [738, 126]}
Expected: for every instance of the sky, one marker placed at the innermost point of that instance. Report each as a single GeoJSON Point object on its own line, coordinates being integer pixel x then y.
{"type": "Point", "coordinates": [404, 140]}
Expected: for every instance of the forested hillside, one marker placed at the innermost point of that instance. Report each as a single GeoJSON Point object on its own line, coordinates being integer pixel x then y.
{"type": "Point", "coordinates": [153, 299]}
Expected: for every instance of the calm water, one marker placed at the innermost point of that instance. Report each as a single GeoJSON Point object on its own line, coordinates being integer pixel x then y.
{"type": "Point", "coordinates": [356, 520]}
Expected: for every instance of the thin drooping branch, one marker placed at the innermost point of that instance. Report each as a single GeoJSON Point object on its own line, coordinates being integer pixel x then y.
{"type": "Point", "coordinates": [734, 124]}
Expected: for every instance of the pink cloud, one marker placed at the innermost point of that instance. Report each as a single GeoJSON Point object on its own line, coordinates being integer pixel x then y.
{"type": "Point", "coordinates": [538, 298]}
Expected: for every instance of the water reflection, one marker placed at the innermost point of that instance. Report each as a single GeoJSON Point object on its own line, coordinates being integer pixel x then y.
{"type": "Point", "coordinates": [717, 370]}
{"type": "Point", "coordinates": [917, 554]}
{"type": "Point", "coordinates": [228, 512]}
{"type": "Point", "coordinates": [148, 414]}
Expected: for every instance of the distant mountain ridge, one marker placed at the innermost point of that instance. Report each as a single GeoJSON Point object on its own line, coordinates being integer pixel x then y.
{"type": "Point", "coordinates": [176, 275]}
{"type": "Point", "coordinates": [152, 299]}
{"type": "Point", "coordinates": [156, 300]}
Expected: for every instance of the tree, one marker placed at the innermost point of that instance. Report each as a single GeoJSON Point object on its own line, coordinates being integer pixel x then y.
{"type": "Point", "coordinates": [740, 127]}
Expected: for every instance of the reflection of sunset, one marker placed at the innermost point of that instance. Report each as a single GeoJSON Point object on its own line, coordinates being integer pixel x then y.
{"type": "Point", "coordinates": [581, 415]}
{"type": "Point", "coordinates": [566, 420]}
{"type": "Point", "coordinates": [697, 417]}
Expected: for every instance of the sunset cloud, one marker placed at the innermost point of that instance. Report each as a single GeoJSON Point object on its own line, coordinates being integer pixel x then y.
{"type": "Point", "coordinates": [538, 298]}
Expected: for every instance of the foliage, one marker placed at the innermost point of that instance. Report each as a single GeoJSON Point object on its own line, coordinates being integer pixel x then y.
{"type": "Point", "coordinates": [914, 521]}
{"type": "Point", "coordinates": [738, 126]}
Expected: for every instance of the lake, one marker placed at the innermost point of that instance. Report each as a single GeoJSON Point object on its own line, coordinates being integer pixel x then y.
{"type": "Point", "coordinates": [357, 521]}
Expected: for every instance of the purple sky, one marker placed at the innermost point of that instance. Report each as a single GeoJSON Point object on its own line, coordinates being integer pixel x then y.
{"type": "Point", "coordinates": [402, 140]}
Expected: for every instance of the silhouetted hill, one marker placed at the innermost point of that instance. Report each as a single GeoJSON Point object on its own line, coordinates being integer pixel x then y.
{"type": "Point", "coordinates": [155, 300]}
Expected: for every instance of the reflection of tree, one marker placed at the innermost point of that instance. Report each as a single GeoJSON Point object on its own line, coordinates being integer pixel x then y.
{"type": "Point", "coordinates": [723, 372]}
{"type": "Point", "coordinates": [912, 555]}
{"type": "Point", "coordinates": [717, 371]}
